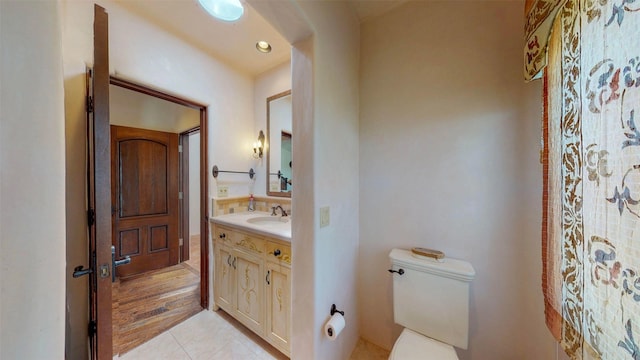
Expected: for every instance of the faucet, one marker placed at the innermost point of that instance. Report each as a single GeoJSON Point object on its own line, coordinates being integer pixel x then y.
{"type": "Point", "coordinates": [274, 208]}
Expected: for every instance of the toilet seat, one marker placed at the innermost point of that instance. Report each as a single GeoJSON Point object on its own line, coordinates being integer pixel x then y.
{"type": "Point", "coordinates": [413, 346]}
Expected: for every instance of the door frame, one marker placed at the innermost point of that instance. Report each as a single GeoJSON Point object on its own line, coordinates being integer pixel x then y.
{"type": "Point", "coordinates": [184, 230]}
{"type": "Point", "coordinates": [204, 209]}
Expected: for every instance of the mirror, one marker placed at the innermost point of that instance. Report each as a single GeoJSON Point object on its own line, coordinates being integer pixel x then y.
{"type": "Point", "coordinates": [279, 164]}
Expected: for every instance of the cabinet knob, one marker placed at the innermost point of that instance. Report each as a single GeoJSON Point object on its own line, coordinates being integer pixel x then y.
{"type": "Point", "coordinates": [276, 252]}
{"type": "Point", "coordinates": [223, 235]}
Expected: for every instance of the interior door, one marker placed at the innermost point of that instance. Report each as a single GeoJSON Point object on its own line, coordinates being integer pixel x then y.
{"type": "Point", "coordinates": [145, 204]}
{"type": "Point", "coordinates": [99, 190]}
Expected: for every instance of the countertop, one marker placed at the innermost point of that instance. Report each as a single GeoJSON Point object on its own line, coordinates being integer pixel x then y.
{"type": "Point", "coordinates": [278, 230]}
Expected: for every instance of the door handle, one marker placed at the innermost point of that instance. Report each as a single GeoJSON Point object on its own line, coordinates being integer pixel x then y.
{"type": "Point", "coordinates": [115, 263]}
{"type": "Point", "coordinates": [79, 271]}
{"type": "Point", "coordinates": [268, 273]}
{"type": "Point", "coordinates": [234, 263]}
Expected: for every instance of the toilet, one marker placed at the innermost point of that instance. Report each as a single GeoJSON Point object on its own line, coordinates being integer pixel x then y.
{"type": "Point", "coordinates": [431, 302]}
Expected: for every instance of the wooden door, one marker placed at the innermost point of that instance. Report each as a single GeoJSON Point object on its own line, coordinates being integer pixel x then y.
{"type": "Point", "coordinates": [145, 204]}
{"type": "Point", "coordinates": [99, 190]}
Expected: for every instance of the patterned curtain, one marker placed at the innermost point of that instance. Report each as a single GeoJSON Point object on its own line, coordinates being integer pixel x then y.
{"type": "Point", "coordinates": [591, 162]}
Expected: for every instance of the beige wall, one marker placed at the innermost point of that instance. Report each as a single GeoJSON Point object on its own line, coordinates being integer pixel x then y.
{"type": "Point", "coordinates": [145, 54]}
{"type": "Point", "coordinates": [449, 141]}
{"type": "Point", "coordinates": [31, 182]}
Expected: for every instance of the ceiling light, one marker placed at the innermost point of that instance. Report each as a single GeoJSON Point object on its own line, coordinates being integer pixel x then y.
{"type": "Point", "coordinates": [263, 46]}
{"type": "Point", "coordinates": [227, 10]}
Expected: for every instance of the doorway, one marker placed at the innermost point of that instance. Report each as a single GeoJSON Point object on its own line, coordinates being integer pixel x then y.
{"type": "Point", "coordinates": [158, 213]}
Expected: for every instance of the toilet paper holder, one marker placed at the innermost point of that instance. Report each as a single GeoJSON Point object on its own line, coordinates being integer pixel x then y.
{"type": "Point", "coordinates": [335, 310]}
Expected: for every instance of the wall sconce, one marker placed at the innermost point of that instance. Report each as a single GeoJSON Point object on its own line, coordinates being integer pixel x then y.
{"type": "Point", "coordinates": [258, 146]}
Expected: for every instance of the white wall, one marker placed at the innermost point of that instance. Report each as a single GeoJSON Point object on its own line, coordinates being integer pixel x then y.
{"type": "Point", "coordinates": [146, 54]}
{"type": "Point", "coordinates": [334, 151]}
{"type": "Point", "coordinates": [449, 141]}
{"type": "Point", "coordinates": [138, 110]}
{"type": "Point", "coordinates": [31, 182]}
{"type": "Point", "coordinates": [325, 127]}
{"type": "Point", "coordinates": [194, 184]}
{"type": "Point", "coordinates": [267, 84]}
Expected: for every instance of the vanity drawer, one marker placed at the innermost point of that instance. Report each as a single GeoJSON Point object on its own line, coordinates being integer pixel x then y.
{"type": "Point", "coordinates": [223, 235]}
{"type": "Point", "coordinates": [248, 242]}
{"type": "Point", "coordinates": [278, 251]}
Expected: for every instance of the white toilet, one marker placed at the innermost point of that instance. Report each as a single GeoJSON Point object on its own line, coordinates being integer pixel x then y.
{"type": "Point", "coordinates": [431, 301]}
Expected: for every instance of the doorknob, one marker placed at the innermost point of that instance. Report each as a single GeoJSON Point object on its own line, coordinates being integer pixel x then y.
{"type": "Point", "coordinates": [115, 263]}
{"type": "Point", "coordinates": [79, 271]}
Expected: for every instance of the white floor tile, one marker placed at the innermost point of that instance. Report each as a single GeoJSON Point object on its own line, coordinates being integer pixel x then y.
{"type": "Point", "coordinates": [234, 350]}
{"type": "Point", "coordinates": [162, 347]}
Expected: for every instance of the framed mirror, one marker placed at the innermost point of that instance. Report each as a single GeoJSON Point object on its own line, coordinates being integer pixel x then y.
{"type": "Point", "coordinates": [279, 136]}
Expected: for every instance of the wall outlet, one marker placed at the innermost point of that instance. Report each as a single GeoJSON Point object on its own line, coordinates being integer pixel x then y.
{"type": "Point", "coordinates": [223, 191]}
{"type": "Point", "coordinates": [324, 216]}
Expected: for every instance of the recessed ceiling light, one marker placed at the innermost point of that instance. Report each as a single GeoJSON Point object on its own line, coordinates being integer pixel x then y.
{"type": "Point", "coordinates": [263, 46]}
{"type": "Point", "coordinates": [227, 10]}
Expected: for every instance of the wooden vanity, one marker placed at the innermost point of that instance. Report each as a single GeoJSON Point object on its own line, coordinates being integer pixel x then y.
{"type": "Point", "coordinates": [252, 280]}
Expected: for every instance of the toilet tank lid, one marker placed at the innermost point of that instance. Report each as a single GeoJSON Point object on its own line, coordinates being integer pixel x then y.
{"type": "Point", "coordinates": [449, 267]}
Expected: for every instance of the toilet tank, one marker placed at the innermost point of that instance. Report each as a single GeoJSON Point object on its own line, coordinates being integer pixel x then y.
{"type": "Point", "coordinates": [432, 297]}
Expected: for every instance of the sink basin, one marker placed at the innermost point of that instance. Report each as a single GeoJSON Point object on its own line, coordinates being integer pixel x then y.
{"type": "Point", "coordinates": [268, 220]}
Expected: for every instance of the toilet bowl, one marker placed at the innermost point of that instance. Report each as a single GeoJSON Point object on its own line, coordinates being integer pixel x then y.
{"type": "Point", "coordinates": [413, 346]}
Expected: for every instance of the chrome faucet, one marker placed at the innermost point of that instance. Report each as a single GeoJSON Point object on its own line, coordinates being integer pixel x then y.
{"type": "Point", "coordinates": [274, 208]}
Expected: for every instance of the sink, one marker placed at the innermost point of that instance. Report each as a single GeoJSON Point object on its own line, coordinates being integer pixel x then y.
{"type": "Point", "coordinates": [268, 220]}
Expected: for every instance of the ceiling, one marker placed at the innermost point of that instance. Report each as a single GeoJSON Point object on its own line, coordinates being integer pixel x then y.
{"type": "Point", "coordinates": [233, 42]}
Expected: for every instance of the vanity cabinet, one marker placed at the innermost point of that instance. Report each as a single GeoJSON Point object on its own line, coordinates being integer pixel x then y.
{"type": "Point", "coordinates": [252, 282]}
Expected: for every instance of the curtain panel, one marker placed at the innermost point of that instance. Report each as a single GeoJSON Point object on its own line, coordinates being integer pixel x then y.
{"type": "Point", "coordinates": [591, 164]}
{"type": "Point", "coordinates": [539, 18]}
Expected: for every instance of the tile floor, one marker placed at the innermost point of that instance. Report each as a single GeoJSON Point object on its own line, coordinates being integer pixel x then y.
{"type": "Point", "coordinates": [206, 335]}
{"type": "Point", "coordinates": [367, 351]}
{"type": "Point", "coordinates": [211, 335]}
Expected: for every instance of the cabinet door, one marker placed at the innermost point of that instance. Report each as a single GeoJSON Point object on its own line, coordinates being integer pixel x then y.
{"type": "Point", "coordinates": [278, 301]}
{"type": "Point", "coordinates": [224, 284]}
{"type": "Point", "coordinates": [249, 291]}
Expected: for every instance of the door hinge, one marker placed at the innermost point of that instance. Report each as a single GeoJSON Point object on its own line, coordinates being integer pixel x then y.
{"type": "Point", "coordinates": [181, 241]}
{"type": "Point", "coordinates": [93, 328]}
{"type": "Point", "coordinates": [180, 195]}
{"type": "Point", "coordinates": [91, 217]}
{"type": "Point", "coordinates": [89, 104]}
{"type": "Point", "coordinates": [179, 148]}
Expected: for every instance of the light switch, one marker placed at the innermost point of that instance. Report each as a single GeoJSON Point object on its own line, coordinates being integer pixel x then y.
{"type": "Point", "coordinates": [324, 216]}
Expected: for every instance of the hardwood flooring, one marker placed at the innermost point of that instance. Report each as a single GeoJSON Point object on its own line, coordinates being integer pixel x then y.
{"type": "Point", "coordinates": [146, 305]}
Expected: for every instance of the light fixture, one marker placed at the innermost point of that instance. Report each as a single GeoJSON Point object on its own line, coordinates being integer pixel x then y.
{"type": "Point", "coordinates": [226, 10]}
{"type": "Point", "coordinates": [263, 46]}
{"type": "Point", "coordinates": [258, 146]}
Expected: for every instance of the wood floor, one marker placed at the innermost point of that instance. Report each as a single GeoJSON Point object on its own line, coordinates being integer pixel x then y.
{"type": "Point", "coordinates": [144, 306]}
